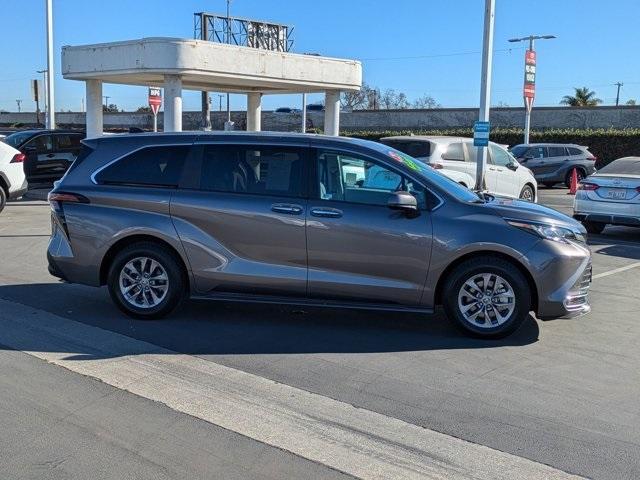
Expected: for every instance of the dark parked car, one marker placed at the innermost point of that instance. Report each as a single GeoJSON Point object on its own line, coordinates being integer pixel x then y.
{"type": "Point", "coordinates": [553, 163]}
{"type": "Point", "coordinates": [49, 153]}
{"type": "Point", "coordinates": [315, 107]}
{"type": "Point", "coordinates": [293, 218]}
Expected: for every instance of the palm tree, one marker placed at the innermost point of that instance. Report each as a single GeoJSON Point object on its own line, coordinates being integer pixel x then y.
{"type": "Point", "coordinates": [583, 98]}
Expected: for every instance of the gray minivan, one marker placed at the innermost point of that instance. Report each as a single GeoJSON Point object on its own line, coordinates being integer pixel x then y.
{"type": "Point", "coordinates": [293, 218]}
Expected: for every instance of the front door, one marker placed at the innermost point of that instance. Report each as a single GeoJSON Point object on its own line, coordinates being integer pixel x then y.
{"type": "Point", "coordinates": [506, 180]}
{"type": "Point", "coordinates": [241, 219]}
{"type": "Point", "coordinates": [359, 250]}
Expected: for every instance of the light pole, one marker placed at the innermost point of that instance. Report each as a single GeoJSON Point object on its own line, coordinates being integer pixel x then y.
{"type": "Point", "coordinates": [51, 116]}
{"type": "Point", "coordinates": [228, 123]}
{"type": "Point", "coordinates": [485, 85]}
{"type": "Point", "coordinates": [529, 78]}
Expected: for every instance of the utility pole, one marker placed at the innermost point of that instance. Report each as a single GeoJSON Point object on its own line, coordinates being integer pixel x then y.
{"type": "Point", "coordinates": [19, 102]}
{"type": "Point", "coordinates": [205, 99]}
{"type": "Point", "coordinates": [619, 84]}
{"type": "Point", "coordinates": [485, 85]}
{"type": "Point", "coordinates": [46, 88]}
{"type": "Point", "coordinates": [220, 97]}
{"type": "Point", "coordinates": [106, 100]}
{"type": "Point", "coordinates": [530, 61]}
{"type": "Point", "coordinates": [304, 113]}
{"type": "Point", "coordinates": [228, 124]}
{"type": "Point", "coordinates": [51, 116]}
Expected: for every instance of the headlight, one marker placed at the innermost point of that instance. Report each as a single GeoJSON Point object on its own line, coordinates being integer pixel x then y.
{"type": "Point", "coordinates": [549, 232]}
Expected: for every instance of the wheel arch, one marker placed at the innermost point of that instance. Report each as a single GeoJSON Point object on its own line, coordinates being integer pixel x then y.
{"type": "Point", "coordinates": [484, 254]}
{"type": "Point", "coordinates": [122, 243]}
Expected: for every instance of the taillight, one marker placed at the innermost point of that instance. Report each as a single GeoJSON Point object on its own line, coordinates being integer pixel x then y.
{"type": "Point", "coordinates": [437, 166]}
{"type": "Point", "coordinates": [592, 158]}
{"type": "Point", "coordinates": [18, 158]}
{"type": "Point", "coordinates": [638, 189]}
{"type": "Point", "coordinates": [56, 199]}
{"type": "Point", "coordinates": [589, 187]}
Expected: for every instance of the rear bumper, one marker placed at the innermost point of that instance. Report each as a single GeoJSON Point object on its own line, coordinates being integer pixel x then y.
{"type": "Point", "coordinates": [19, 192]}
{"type": "Point", "coordinates": [608, 219]}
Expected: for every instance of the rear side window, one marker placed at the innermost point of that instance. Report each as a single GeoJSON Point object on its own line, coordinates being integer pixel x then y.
{"type": "Point", "coordinates": [575, 151]}
{"type": "Point", "coordinates": [159, 166]}
{"type": "Point", "coordinates": [414, 149]}
{"type": "Point", "coordinates": [253, 169]}
{"type": "Point", "coordinates": [70, 142]}
{"type": "Point", "coordinates": [557, 151]}
{"type": "Point", "coordinates": [454, 152]}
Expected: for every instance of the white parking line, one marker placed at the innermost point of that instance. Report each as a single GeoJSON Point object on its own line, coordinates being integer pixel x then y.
{"type": "Point", "coordinates": [616, 270]}
{"type": "Point", "coordinates": [353, 440]}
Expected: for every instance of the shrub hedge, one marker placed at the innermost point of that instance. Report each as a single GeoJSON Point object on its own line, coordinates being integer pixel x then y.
{"type": "Point", "coordinates": [606, 144]}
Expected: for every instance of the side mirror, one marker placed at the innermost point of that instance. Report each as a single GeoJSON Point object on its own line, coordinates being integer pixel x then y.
{"type": "Point", "coordinates": [512, 166]}
{"type": "Point", "coordinates": [402, 201]}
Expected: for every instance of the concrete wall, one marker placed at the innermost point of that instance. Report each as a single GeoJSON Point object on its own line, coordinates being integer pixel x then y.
{"type": "Point", "coordinates": [541, 118]}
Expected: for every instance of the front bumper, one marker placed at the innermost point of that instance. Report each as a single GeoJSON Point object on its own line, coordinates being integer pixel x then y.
{"type": "Point", "coordinates": [562, 273]}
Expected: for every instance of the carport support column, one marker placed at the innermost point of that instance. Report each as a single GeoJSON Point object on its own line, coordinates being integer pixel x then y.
{"type": "Point", "coordinates": [94, 118]}
{"type": "Point", "coordinates": [332, 113]}
{"type": "Point", "coordinates": [254, 111]}
{"type": "Point", "coordinates": [172, 103]}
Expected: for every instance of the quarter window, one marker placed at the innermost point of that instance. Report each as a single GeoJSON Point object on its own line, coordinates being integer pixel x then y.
{"type": "Point", "coordinates": [253, 169]}
{"type": "Point", "coordinates": [574, 151]}
{"type": "Point", "coordinates": [159, 166]}
{"type": "Point", "coordinates": [348, 178]}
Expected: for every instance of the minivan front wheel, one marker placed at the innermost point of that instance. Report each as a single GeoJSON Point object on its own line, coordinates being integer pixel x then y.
{"type": "Point", "coordinates": [145, 281]}
{"type": "Point", "coordinates": [487, 297]}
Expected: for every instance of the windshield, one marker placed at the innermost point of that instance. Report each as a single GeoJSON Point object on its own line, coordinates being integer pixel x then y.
{"type": "Point", "coordinates": [623, 166]}
{"type": "Point", "coordinates": [519, 150]}
{"type": "Point", "coordinates": [17, 139]}
{"type": "Point", "coordinates": [432, 176]}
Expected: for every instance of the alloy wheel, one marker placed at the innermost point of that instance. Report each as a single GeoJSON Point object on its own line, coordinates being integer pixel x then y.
{"type": "Point", "coordinates": [143, 282]}
{"type": "Point", "coordinates": [486, 300]}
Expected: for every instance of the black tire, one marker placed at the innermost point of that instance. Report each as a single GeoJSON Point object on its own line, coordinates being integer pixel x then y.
{"type": "Point", "coordinates": [594, 227]}
{"type": "Point", "coordinates": [492, 265]}
{"type": "Point", "coordinates": [567, 178]}
{"type": "Point", "coordinates": [3, 198]}
{"type": "Point", "coordinates": [549, 184]}
{"type": "Point", "coordinates": [175, 274]}
{"type": "Point", "coordinates": [527, 194]}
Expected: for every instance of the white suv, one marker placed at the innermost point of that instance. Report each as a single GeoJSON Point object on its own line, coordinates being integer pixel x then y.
{"type": "Point", "coordinates": [13, 183]}
{"type": "Point", "coordinates": [503, 176]}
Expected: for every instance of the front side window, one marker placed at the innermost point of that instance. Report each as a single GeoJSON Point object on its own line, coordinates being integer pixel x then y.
{"type": "Point", "coordinates": [350, 178]}
{"type": "Point", "coordinates": [253, 169]}
{"type": "Point", "coordinates": [159, 166]}
{"type": "Point", "coordinates": [537, 152]}
{"type": "Point", "coordinates": [499, 156]}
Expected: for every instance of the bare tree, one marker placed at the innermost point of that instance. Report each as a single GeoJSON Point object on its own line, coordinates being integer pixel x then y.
{"type": "Point", "coordinates": [425, 101]}
{"type": "Point", "coordinates": [631, 101]}
{"type": "Point", "coordinates": [368, 98]}
{"type": "Point", "coordinates": [390, 99]}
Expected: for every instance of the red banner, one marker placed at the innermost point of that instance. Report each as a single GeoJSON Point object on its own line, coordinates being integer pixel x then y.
{"type": "Point", "coordinates": [529, 90]}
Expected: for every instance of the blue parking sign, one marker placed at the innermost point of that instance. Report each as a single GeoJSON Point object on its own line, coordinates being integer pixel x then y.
{"type": "Point", "coordinates": [481, 134]}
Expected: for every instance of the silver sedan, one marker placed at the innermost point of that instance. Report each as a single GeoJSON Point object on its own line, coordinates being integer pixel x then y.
{"type": "Point", "coordinates": [611, 196]}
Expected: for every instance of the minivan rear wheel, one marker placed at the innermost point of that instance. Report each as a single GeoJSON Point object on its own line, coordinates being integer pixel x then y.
{"type": "Point", "coordinates": [487, 297]}
{"type": "Point", "coordinates": [145, 281]}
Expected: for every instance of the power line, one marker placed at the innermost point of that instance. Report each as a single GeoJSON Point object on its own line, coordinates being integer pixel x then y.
{"type": "Point", "coordinates": [439, 55]}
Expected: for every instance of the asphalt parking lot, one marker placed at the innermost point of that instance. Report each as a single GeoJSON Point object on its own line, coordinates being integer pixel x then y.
{"type": "Point", "coordinates": [563, 393]}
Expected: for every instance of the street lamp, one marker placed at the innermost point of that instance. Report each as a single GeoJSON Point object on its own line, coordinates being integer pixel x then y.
{"type": "Point", "coordinates": [51, 119]}
{"type": "Point", "coordinates": [529, 90]}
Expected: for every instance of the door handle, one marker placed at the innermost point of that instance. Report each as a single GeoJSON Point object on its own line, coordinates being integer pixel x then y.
{"type": "Point", "coordinates": [287, 208]}
{"type": "Point", "coordinates": [493, 169]}
{"type": "Point", "coordinates": [51, 155]}
{"type": "Point", "coordinates": [326, 212]}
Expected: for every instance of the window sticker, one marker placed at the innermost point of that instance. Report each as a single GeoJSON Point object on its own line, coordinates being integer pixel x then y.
{"type": "Point", "coordinates": [406, 159]}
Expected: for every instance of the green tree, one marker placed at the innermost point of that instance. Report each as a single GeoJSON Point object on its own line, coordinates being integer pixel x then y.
{"type": "Point", "coordinates": [111, 108]}
{"type": "Point", "coordinates": [631, 101]}
{"type": "Point", "coordinates": [583, 98]}
{"type": "Point", "coordinates": [144, 109]}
